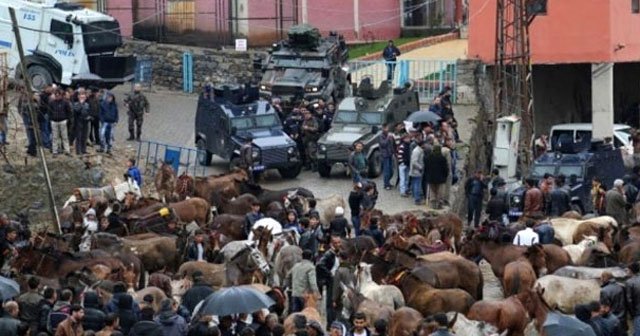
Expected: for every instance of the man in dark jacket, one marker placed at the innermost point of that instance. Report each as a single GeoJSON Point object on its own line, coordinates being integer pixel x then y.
{"type": "Point", "coordinates": [633, 295]}
{"type": "Point", "coordinates": [339, 225]}
{"type": "Point", "coordinates": [386, 145]}
{"type": "Point", "coordinates": [355, 203]}
{"type": "Point", "coordinates": [120, 290]}
{"type": "Point", "coordinates": [171, 323]}
{"type": "Point", "coordinates": [108, 118]}
{"type": "Point", "coordinates": [474, 190]}
{"type": "Point", "coordinates": [195, 250]}
{"type": "Point", "coordinates": [374, 232]}
{"type": "Point", "coordinates": [390, 54]}
{"type": "Point", "coordinates": [437, 171]}
{"type": "Point", "coordinates": [45, 307]}
{"type": "Point", "coordinates": [252, 217]}
{"type": "Point", "coordinates": [560, 199]}
{"type": "Point", "coordinates": [94, 316]}
{"type": "Point", "coordinates": [82, 117]}
{"type": "Point", "coordinates": [325, 271]}
{"type": "Point", "coordinates": [613, 295]}
{"type": "Point", "coordinates": [197, 293]}
{"type": "Point", "coordinates": [29, 303]}
{"type": "Point", "coordinates": [496, 206]}
{"type": "Point", "coordinates": [146, 326]}
{"type": "Point", "coordinates": [60, 113]}
{"type": "Point", "coordinates": [403, 155]}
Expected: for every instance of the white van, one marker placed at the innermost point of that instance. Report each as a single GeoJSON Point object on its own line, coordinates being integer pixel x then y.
{"type": "Point", "coordinates": [578, 132]}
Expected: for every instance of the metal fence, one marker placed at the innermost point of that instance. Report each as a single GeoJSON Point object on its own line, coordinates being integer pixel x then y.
{"type": "Point", "coordinates": [429, 76]}
{"type": "Point", "coordinates": [144, 72]}
{"type": "Point", "coordinates": [187, 72]}
{"type": "Point", "coordinates": [182, 159]}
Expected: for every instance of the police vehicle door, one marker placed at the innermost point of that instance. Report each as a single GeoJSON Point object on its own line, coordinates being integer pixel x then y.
{"type": "Point", "coordinates": [62, 45]}
{"type": "Point", "coordinates": [226, 144]}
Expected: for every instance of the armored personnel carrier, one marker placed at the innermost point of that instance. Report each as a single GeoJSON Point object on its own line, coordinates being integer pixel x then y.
{"type": "Point", "coordinates": [305, 67]}
{"type": "Point", "coordinates": [230, 114]}
{"type": "Point", "coordinates": [359, 118]}
{"type": "Point", "coordinates": [579, 163]}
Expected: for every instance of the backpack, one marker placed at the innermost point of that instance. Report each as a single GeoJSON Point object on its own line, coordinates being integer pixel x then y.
{"type": "Point", "coordinates": [54, 319]}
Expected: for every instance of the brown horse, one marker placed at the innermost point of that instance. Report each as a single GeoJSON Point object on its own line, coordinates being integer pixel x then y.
{"type": "Point", "coordinates": [508, 314]}
{"type": "Point", "coordinates": [428, 300]}
{"type": "Point", "coordinates": [521, 274]}
{"type": "Point", "coordinates": [231, 226]}
{"type": "Point", "coordinates": [536, 306]}
{"type": "Point", "coordinates": [240, 206]}
{"type": "Point", "coordinates": [155, 252]}
{"type": "Point", "coordinates": [629, 253]}
{"type": "Point", "coordinates": [588, 229]}
{"type": "Point", "coordinates": [205, 186]}
{"type": "Point", "coordinates": [213, 274]}
{"type": "Point", "coordinates": [194, 209]}
{"type": "Point", "coordinates": [404, 321]}
{"type": "Point", "coordinates": [499, 255]}
{"type": "Point", "coordinates": [165, 182]}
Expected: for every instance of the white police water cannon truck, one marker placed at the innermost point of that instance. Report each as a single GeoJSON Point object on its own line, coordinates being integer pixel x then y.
{"type": "Point", "coordinates": [64, 43]}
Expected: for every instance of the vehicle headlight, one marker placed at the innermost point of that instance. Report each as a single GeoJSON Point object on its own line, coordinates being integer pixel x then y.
{"type": "Point", "coordinates": [265, 87]}
{"type": "Point", "coordinates": [255, 154]}
{"type": "Point", "coordinates": [323, 148]}
{"type": "Point", "coordinates": [291, 150]}
{"type": "Point", "coordinates": [516, 199]}
{"type": "Point", "coordinates": [311, 89]}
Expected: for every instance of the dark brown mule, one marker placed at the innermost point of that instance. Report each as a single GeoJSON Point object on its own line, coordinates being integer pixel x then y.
{"type": "Point", "coordinates": [428, 300]}
{"type": "Point", "coordinates": [231, 226]}
{"type": "Point", "coordinates": [441, 270]}
{"type": "Point", "coordinates": [509, 314]}
{"type": "Point", "coordinates": [194, 209]}
{"type": "Point", "coordinates": [165, 182]}
{"type": "Point", "coordinates": [240, 206]}
{"type": "Point", "coordinates": [499, 255]}
{"type": "Point", "coordinates": [629, 253]}
{"type": "Point", "coordinates": [205, 186]}
{"type": "Point", "coordinates": [521, 274]}
{"type": "Point", "coordinates": [404, 321]}
{"type": "Point", "coordinates": [538, 309]}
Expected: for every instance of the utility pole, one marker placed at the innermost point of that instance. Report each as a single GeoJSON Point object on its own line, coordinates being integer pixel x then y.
{"type": "Point", "coordinates": [34, 118]}
{"type": "Point", "coordinates": [512, 86]}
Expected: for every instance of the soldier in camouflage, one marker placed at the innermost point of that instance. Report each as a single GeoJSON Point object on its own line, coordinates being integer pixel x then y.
{"type": "Point", "coordinates": [310, 134]}
{"type": "Point", "coordinates": [138, 105]}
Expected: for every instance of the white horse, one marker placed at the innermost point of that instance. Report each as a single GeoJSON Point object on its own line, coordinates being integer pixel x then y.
{"type": "Point", "coordinates": [114, 192]}
{"type": "Point", "coordinates": [464, 326]}
{"type": "Point", "coordinates": [241, 256]}
{"type": "Point", "coordinates": [576, 250]}
{"type": "Point", "coordinates": [565, 227]}
{"type": "Point", "coordinates": [386, 295]}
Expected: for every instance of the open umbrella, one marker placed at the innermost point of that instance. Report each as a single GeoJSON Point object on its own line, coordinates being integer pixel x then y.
{"type": "Point", "coordinates": [423, 117]}
{"type": "Point", "coordinates": [8, 288]}
{"type": "Point", "coordinates": [235, 300]}
{"type": "Point", "coordinates": [565, 325]}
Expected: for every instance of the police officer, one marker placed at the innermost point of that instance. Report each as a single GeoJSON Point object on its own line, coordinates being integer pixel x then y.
{"type": "Point", "coordinates": [327, 117]}
{"type": "Point", "coordinates": [138, 105]}
{"type": "Point", "coordinates": [246, 156]}
{"type": "Point", "coordinates": [293, 128]}
{"type": "Point", "coordinates": [310, 129]}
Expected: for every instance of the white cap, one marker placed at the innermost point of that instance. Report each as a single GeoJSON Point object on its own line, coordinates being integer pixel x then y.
{"type": "Point", "coordinates": [339, 211]}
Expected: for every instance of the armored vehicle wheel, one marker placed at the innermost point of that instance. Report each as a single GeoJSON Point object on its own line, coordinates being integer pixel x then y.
{"type": "Point", "coordinates": [39, 76]}
{"type": "Point", "coordinates": [324, 169]}
{"type": "Point", "coordinates": [204, 156]}
{"type": "Point", "coordinates": [291, 172]}
{"type": "Point", "coordinates": [375, 164]}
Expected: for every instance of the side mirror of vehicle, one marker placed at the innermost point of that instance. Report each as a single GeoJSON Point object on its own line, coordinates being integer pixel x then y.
{"type": "Point", "coordinates": [374, 129]}
{"type": "Point", "coordinates": [234, 131]}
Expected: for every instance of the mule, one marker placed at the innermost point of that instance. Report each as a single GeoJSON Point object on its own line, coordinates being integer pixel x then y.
{"type": "Point", "coordinates": [387, 295]}
{"type": "Point", "coordinates": [212, 274]}
{"type": "Point", "coordinates": [286, 258]}
{"type": "Point", "coordinates": [231, 226]}
{"type": "Point", "coordinates": [564, 293]}
{"type": "Point", "coordinates": [155, 252]}
{"type": "Point", "coordinates": [310, 312]}
{"type": "Point", "coordinates": [508, 315]}
{"type": "Point", "coordinates": [521, 274]}
{"type": "Point", "coordinates": [428, 300]}
{"type": "Point", "coordinates": [165, 182]}
{"type": "Point", "coordinates": [565, 228]}
{"type": "Point", "coordinates": [591, 273]}
{"type": "Point", "coordinates": [461, 325]}
{"type": "Point", "coordinates": [403, 322]}
{"type": "Point", "coordinates": [242, 260]}
{"type": "Point", "coordinates": [157, 294]}
{"type": "Point", "coordinates": [469, 274]}
{"type": "Point", "coordinates": [629, 253]}
{"type": "Point", "coordinates": [195, 209]}
{"type": "Point", "coordinates": [240, 205]}
{"type": "Point", "coordinates": [354, 301]}
{"type": "Point", "coordinates": [575, 250]}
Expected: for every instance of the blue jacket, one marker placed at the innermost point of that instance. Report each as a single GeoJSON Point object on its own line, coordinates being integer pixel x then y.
{"type": "Point", "coordinates": [134, 172]}
{"type": "Point", "coordinates": [108, 111]}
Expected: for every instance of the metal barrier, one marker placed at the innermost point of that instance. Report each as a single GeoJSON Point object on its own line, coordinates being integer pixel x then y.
{"type": "Point", "coordinates": [144, 72]}
{"type": "Point", "coordinates": [430, 76]}
{"type": "Point", "coordinates": [180, 158]}
{"type": "Point", "coordinates": [187, 72]}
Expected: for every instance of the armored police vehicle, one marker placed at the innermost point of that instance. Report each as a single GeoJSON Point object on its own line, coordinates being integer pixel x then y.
{"type": "Point", "coordinates": [305, 67]}
{"type": "Point", "coordinates": [579, 163]}
{"type": "Point", "coordinates": [230, 114]}
{"type": "Point", "coordinates": [359, 118]}
{"type": "Point", "coordinates": [64, 43]}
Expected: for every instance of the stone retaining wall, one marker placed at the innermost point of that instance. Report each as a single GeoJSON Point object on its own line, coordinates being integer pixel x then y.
{"type": "Point", "coordinates": [220, 65]}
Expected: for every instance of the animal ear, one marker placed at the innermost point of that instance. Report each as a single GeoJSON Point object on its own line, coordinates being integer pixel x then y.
{"type": "Point", "coordinates": [504, 333]}
{"type": "Point", "coordinates": [453, 320]}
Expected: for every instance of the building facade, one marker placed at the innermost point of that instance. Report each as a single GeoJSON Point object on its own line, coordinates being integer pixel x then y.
{"type": "Point", "coordinates": [585, 56]}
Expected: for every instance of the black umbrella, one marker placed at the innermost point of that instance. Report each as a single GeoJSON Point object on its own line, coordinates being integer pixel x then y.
{"type": "Point", "coordinates": [565, 325]}
{"type": "Point", "coordinates": [8, 288]}
{"type": "Point", "coordinates": [423, 117]}
{"type": "Point", "coordinates": [235, 300]}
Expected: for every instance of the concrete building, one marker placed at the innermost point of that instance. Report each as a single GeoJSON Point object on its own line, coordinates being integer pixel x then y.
{"type": "Point", "coordinates": [585, 56]}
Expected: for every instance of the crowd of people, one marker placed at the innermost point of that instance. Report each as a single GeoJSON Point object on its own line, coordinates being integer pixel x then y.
{"type": "Point", "coordinates": [74, 119]}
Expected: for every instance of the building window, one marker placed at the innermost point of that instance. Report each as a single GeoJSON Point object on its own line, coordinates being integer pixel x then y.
{"type": "Point", "coordinates": [635, 6]}
{"type": "Point", "coordinates": [537, 7]}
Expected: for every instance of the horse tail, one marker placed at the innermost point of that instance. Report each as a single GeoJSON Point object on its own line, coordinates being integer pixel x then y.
{"type": "Point", "coordinates": [515, 284]}
{"type": "Point", "coordinates": [480, 287]}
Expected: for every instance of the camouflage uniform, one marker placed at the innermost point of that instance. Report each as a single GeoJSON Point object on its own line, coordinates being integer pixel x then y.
{"type": "Point", "coordinates": [138, 105]}
{"type": "Point", "coordinates": [310, 128]}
